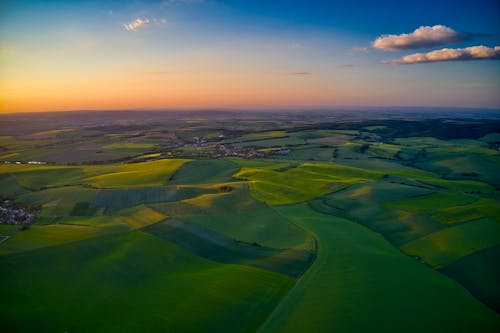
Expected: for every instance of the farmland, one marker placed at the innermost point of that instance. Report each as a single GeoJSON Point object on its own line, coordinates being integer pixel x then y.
{"type": "Point", "coordinates": [230, 222]}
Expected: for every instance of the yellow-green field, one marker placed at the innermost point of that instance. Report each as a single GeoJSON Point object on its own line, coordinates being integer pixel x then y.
{"type": "Point", "coordinates": [266, 224]}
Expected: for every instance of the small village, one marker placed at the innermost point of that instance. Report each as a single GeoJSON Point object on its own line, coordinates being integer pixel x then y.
{"type": "Point", "coordinates": [13, 213]}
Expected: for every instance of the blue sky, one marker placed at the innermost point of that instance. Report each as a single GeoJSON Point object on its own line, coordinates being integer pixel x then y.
{"type": "Point", "coordinates": [61, 55]}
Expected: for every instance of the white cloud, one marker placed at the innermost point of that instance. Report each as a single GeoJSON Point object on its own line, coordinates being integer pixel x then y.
{"type": "Point", "coordinates": [422, 37]}
{"type": "Point", "coordinates": [138, 23]}
{"type": "Point", "coordinates": [160, 21]}
{"type": "Point", "coordinates": [299, 73]}
{"type": "Point", "coordinates": [469, 53]}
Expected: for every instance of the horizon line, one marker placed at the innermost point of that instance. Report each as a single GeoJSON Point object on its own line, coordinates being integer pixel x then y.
{"type": "Point", "coordinates": [272, 109]}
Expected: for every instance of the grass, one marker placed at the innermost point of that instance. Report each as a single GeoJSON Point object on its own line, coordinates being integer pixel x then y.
{"type": "Point", "coordinates": [58, 201]}
{"type": "Point", "coordinates": [463, 166]}
{"type": "Point", "coordinates": [360, 283]}
{"type": "Point", "coordinates": [449, 206]}
{"type": "Point", "coordinates": [47, 235]}
{"type": "Point", "coordinates": [301, 183]}
{"type": "Point", "coordinates": [238, 216]}
{"type": "Point", "coordinates": [129, 145]}
{"type": "Point", "coordinates": [220, 248]}
{"type": "Point", "coordinates": [53, 132]}
{"type": "Point", "coordinates": [491, 137]}
{"type": "Point", "coordinates": [479, 209]}
{"type": "Point", "coordinates": [181, 245]}
{"type": "Point", "coordinates": [9, 186]}
{"type": "Point", "coordinates": [364, 203]}
{"type": "Point", "coordinates": [443, 247]}
{"type": "Point", "coordinates": [308, 153]}
{"type": "Point", "coordinates": [279, 142]}
{"type": "Point", "coordinates": [154, 173]}
{"type": "Point", "coordinates": [73, 228]}
{"type": "Point", "coordinates": [41, 178]}
{"type": "Point", "coordinates": [124, 220]}
{"type": "Point", "coordinates": [205, 171]}
{"type": "Point", "coordinates": [479, 273]}
{"type": "Point", "coordinates": [434, 201]}
{"type": "Point", "coordinates": [111, 200]}
{"type": "Point", "coordinates": [112, 288]}
{"type": "Point", "coordinates": [383, 150]}
{"type": "Point", "coordinates": [259, 136]}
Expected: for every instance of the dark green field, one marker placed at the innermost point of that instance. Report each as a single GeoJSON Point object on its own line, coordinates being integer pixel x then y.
{"type": "Point", "coordinates": [249, 223]}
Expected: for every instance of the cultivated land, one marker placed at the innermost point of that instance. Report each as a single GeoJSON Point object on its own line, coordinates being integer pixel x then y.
{"type": "Point", "coordinates": [246, 222]}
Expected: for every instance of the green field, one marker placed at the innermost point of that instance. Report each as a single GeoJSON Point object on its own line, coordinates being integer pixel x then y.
{"type": "Point", "coordinates": [303, 182]}
{"type": "Point", "coordinates": [446, 246]}
{"type": "Point", "coordinates": [249, 222]}
{"type": "Point", "coordinates": [399, 294]}
{"type": "Point", "coordinates": [170, 289]}
{"type": "Point", "coordinates": [137, 174]}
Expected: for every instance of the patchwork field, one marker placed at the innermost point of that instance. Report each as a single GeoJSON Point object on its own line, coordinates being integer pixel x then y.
{"type": "Point", "coordinates": [355, 262]}
{"type": "Point", "coordinates": [249, 224]}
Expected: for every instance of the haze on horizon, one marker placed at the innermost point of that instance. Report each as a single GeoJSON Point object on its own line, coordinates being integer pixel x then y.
{"type": "Point", "coordinates": [176, 54]}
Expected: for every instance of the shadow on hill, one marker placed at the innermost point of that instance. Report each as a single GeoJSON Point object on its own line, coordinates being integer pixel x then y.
{"type": "Point", "coordinates": [214, 246]}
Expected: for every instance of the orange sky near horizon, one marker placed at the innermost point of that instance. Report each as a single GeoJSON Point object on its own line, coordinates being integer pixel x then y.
{"type": "Point", "coordinates": [57, 56]}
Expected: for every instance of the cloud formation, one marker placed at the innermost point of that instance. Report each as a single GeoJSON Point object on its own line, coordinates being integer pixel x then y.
{"type": "Point", "coordinates": [423, 37]}
{"type": "Point", "coordinates": [139, 23]}
{"type": "Point", "coordinates": [468, 53]}
{"type": "Point", "coordinates": [300, 73]}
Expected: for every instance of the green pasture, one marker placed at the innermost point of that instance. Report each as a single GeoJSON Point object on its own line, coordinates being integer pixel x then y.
{"type": "Point", "coordinates": [430, 178]}
{"type": "Point", "coordinates": [129, 145]}
{"type": "Point", "coordinates": [218, 247]}
{"type": "Point", "coordinates": [270, 164]}
{"type": "Point", "coordinates": [37, 177]}
{"type": "Point", "coordinates": [443, 247]}
{"type": "Point", "coordinates": [383, 150]}
{"type": "Point", "coordinates": [360, 283]}
{"type": "Point", "coordinates": [114, 199]}
{"type": "Point", "coordinates": [9, 187]}
{"type": "Point", "coordinates": [479, 272]}
{"type": "Point", "coordinates": [278, 142]}
{"type": "Point", "coordinates": [308, 153]}
{"type": "Point", "coordinates": [258, 136]}
{"type": "Point", "coordinates": [154, 173]}
{"type": "Point", "coordinates": [491, 138]}
{"type": "Point", "coordinates": [46, 235]}
{"type": "Point", "coordinates": [433, 201]}
{"type": "Point", "coordinates": [449, 206]}
{"type": "Point", "coordinates": [105, 284]}
{"type": "Point", "coordinates": [301, 183]}
{"type": "Point", "coordinates": [238, 216]}
{"type": "Point", "coordinates": [459, 166]}
{"type": "Point", "coordinates": [204, 172]}
{"type": "Point", "coordinates": [71, 225]}
{"type": "Point", "coordinates": [364, 204]}
{"type": "Point", "coordinates": [462, 213]}
{"type": "Point", "coordinates": [120, 221]}
{"type": "Point", "coordinates": [58, 201]}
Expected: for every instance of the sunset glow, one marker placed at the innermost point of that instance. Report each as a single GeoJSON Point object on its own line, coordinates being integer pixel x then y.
{"type": "Point", "coordinates": [63, 55]}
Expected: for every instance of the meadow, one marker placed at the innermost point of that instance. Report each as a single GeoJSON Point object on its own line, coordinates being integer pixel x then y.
{"type": "Point", "coordinates": [295, 225]}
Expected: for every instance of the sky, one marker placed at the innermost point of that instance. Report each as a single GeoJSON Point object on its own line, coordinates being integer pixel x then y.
{"type": "Point", "coordinates": [209, 54]}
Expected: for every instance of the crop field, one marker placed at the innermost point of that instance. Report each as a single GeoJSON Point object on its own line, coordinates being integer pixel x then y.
{"type": "Point", "coordinates": [301, 183]}
{"type": "Point", "coordinates": [137, 174]}
{"type": "Point", "coordinates": [162, 291]}
{"type": "Point", "coordinates": [446, 246]}
{"type": "Point", "coordinates": [354, 261]}
{"type": "Point", "coordinates": [183, 222]}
